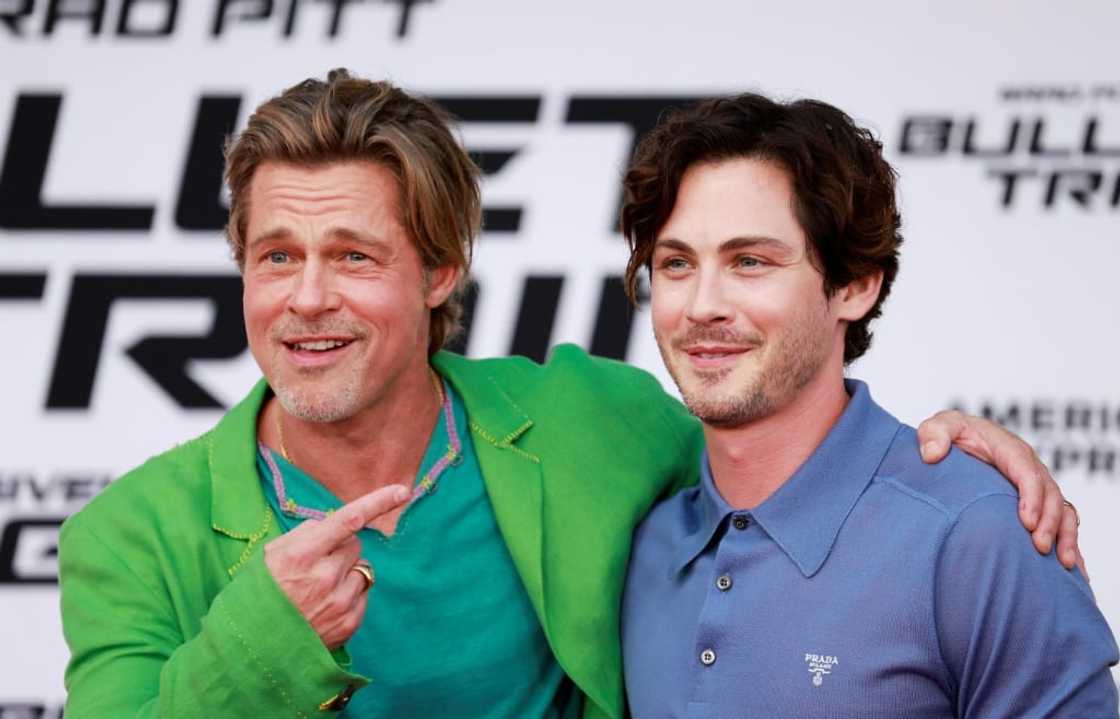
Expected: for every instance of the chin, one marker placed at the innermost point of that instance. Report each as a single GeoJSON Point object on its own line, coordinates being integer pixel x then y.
{"type": "Point", "coordinates": [742, 404]}
{"type": "Point", "coordinates": [326, 405]}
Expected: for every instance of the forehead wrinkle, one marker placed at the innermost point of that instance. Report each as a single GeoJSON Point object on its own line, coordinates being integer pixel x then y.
{"type": "Point", "coordinates": [310, 202]}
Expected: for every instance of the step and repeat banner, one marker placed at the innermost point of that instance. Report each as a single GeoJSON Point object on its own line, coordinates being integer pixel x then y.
{"type": "Point", "coordinates": [121, 311]}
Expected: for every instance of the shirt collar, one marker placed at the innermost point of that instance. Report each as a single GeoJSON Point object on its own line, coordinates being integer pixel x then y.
{"type": "Point", "coordinates": [804, 515]}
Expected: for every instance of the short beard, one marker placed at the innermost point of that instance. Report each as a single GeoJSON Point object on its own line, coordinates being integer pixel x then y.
{"type": "Point", "coordinates": [796, 359]}
{"type": "Point", "coordinates": [339, 400]}
{"type": "Point", "coordinates": [338, 403]}
{"type": "Point", "coordinates": [770, 391]}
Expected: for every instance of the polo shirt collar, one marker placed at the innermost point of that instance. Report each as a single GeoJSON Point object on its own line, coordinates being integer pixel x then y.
{"type": "Point", "coordinates": [804, 515]}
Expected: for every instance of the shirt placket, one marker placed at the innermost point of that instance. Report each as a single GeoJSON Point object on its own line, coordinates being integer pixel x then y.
{"type": "Point", "coordinates": [720, 644]}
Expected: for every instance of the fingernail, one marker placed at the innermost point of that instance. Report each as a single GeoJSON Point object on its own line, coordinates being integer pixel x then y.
{"type": "Point", "coordinates": [928, 449]}
{"type": "Point", "coordinates": [402, 494]}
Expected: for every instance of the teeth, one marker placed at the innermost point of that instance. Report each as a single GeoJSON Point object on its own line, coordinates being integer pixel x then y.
{"type": "Point", "coordinates": [319, 345]}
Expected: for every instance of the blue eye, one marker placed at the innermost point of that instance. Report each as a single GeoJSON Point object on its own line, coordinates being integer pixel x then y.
{"type": "Point", "coordinates": [277, 257]}
{"type": "Point", "coordinates": [356, 257]}
{"type": "Point", "coordinates": [748, 262]}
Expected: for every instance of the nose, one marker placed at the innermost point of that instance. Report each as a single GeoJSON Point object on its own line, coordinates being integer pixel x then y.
{"type": "Point", "coordinates": [707, 302]}
{"type": "Point", "coordinates": [314, 291]}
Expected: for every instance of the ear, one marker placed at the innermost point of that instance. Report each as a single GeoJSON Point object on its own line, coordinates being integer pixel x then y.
{"type": "Point", "coordinates": [854, 300]}
{"type": "Point", "coordinates": [441, 283]}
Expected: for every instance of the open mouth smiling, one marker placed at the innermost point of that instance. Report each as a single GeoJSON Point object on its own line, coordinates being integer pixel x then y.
{"type": "Point", "coordinates": [317, 345]}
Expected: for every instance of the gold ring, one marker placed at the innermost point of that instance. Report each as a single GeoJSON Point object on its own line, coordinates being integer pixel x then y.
{"type": "Point", "coordinates": [1076, 514]}
{"type": "Point", "coordinates": [363, 568]}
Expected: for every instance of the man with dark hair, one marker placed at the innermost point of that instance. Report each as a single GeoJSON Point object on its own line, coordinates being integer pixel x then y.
{"type": "Point", "coordinates": [819, 568]}
{"type": "Point", "coordinates": [298, 557]}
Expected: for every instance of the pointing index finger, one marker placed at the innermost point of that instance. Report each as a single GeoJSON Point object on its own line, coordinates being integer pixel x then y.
{"type": "Point", "coordinates": [351, 518]}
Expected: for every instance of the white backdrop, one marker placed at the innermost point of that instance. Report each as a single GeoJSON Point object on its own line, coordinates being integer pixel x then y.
{"type": "Point", "coordinates": [1002, 118]}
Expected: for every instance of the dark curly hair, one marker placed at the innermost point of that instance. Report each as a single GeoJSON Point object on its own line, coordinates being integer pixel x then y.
{"type": "Point", "coordinates": [844, 189]}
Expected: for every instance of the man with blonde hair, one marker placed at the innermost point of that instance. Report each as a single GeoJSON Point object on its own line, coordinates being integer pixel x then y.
{"type": "Point", "coordinates": [382, 527]}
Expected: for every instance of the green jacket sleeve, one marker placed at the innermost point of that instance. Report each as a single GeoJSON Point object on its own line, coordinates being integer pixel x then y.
{"type": "Point", "coordinates": [253, 654]}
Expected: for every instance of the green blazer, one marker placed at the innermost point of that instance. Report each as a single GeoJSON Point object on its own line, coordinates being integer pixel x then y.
{"type": "Point", "coordinates": [169, 609]}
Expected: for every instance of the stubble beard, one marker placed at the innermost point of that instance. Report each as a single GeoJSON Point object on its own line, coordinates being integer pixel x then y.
{"type": "Point", "coordinates": [329, 394]}
{"type": "Point", "coordinates": [335, 402]}
{"type": "Point", "coordinates": [788, 364]}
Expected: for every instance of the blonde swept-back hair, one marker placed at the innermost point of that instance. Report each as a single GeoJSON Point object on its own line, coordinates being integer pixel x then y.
{"type": "Point", "coordinates": [349, 118]}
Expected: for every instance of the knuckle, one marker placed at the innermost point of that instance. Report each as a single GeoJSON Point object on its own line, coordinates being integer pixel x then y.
{"type": "Point", "coordinates": [335, 606]}
{"type": "Point", "coordinates": [352, 545]}
{"type": "Point", "coordinates": [350, 623]}
{"type": "Point", "coordinates": [326, 576]}
{"type": "Point", "coordinates": [332, 638]}
{"type": "Point", "coordinates": [1024, 448]}
{"type": "Point", "coordinates": [352, 522]}
{"type": "Point", "coordinates": [297, 556]}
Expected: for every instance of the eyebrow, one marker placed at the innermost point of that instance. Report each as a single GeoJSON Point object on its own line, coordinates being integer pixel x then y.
{"type": "Point", "coordinates": [735, 243]}
{"type": "Point", "coordinates": [359, 238]}
{"type": "Point", "coordinates": [278, 233]}
{"type": "Point", "coordinates": [341, 233]}
{"type": "Point", "coordinates": [752, 241]}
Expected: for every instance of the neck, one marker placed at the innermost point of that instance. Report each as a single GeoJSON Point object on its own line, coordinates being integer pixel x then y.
{"type": "Point", "coordinates": [750, 462]}
{"type": "Point", "coordinates": [383, 444]}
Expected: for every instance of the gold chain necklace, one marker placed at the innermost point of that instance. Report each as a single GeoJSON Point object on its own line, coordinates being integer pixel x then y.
{"type": "Point", "coordinates": [437, 385]}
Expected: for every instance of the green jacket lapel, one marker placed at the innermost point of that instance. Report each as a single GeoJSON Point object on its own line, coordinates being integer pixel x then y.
{"type": "Point", "coordinates": [511, 475]}
{"type": "Point", "coordinates": [514, 479]}
{"type": "Point", "coordinates": [238, 508]}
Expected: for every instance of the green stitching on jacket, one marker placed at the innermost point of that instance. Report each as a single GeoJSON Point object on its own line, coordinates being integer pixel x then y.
{"type": "Point", "coordinates": [505, 444]}
{"type": "Point", "coordinates": [279, 687]}
{"type": "Point", "coordinates": [517, 432]}
{"type": "Point", "coordinates": [253, 539]}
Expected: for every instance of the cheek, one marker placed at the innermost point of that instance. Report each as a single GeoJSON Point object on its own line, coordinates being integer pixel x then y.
{"type": "Point", "coordinates": [263, 303]}
{"type": "Point", "coordinates": [388, 305]}
{"type": "Point", "coordinates": [775, 305]}
{"type": "Point", "coordinates": [668, 302]}
{"type": "Point", "coordinates": [663, 319]}
{"type": "Point", "coordinates": [260, 301]}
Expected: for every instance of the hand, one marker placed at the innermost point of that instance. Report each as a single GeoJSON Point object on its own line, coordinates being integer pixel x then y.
{"type": "Point", "coordinates": [312, 565]}
{"type": "Point", "coordinates": [1040, 500]}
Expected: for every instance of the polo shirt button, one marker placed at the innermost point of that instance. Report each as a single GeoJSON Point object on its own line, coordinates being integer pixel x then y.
{"type": "Point", "coordinates": [724, 582]}
{"type": "Point", "coordinates": [740, 522]}
{"type": "Point", "coordinates": [707, 657]}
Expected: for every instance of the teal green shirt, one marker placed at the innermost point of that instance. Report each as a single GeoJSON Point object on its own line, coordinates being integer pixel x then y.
{"type": "Point", "coordinates": [449, 630]}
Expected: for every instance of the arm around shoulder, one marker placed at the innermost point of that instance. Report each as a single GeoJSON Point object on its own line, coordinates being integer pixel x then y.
{"type": "Point", "coordinates": [1020, 635]}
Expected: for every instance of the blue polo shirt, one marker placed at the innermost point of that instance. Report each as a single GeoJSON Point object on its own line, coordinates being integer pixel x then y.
{"type": "Point", "coordinates": [868, 585]}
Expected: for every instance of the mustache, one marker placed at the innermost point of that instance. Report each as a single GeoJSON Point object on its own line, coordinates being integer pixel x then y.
{"type": "Point", "coordinates": [700, 334]}
{"type": "Point", "coordinates": [332, 326]}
